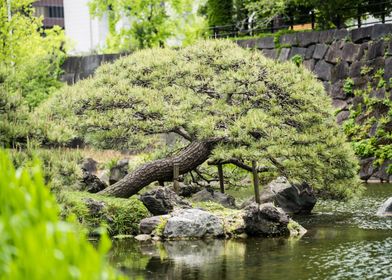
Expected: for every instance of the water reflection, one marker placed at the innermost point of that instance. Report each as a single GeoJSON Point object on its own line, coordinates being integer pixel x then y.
{"type": "Point", "coordinates": [344, 241]}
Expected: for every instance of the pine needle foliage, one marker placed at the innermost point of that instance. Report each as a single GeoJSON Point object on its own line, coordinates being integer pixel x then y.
{"type": "Point", "coordinates": [277, 114]}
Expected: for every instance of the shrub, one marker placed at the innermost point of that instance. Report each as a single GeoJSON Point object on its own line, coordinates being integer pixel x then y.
{"type": "Point", "coordinates": [34, 244]}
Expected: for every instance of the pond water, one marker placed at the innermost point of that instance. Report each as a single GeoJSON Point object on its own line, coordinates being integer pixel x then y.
{"type": "Point", "coordinates": [345, 240]}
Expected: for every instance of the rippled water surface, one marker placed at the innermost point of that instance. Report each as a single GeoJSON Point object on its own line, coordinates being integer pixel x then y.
{"type": "Point", "coordinates": [345, 240]}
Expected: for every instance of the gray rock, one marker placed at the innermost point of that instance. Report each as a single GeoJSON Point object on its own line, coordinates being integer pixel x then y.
{"type": "Point", "coordinates": [250, 43]}
{"type": "Point", "coordinates": [382, 173]}
{"type": "Point", "coordinates": [269, 53]}
{"type": "Point", "coordinates": [193, 223]}
{"type": "Point", "coordinates": [143, 237]}
{"type": "Point", "coordinates": [265, 43]}
{"type": "Point", "coordinates": [306, 39]}
{"type": "Point", "coordinates": [148, 225]}
{"type": "Point", "coordinates": [323, 70]}
{"type": "Point", "coordinates": [92, 183]}
{"type": "Point", "coordinates": [340, 71]}
{"type": "Point", "coordinates": [367, 168]}
{"type": "Point", "coordinates": [289, 40]}
{"type": "Point", "coordinates": [188, 190]}
{"type": "Point", "coordinates": [341, 34]}
{"type": "Point", "coordinates": [385, 209]}
{"type": "Point", "coordinates": [388, 68]}
{"type": "Point", "coordinates": [326, 37]}
{"type": "Point", "coordinates": [297, 51]}
{"type": "Point", "coordinates": [355, 69]}
{"type": "Point", "coordinates": [337, 91]}
{"type": "Point", "coordinates": [389, 48]}
{"type": "Point", "coordinates": [361, 34]}
{"type": "Point", "coordinates": [334, 54]}
{"type": "Point", "coordinates": [376, 49]}
{"type": "Point", "coordinates": [119, 171]}
{"type": "Point", "coordinates": [309, 64]}
{"type": "Point", "coordinates": [339, 104]}
{"type": "Point", "coordinates": [103, 175]}
{"type": "Point", "coordinates": [284, 54]}
{"type": "Point", "coordinates": [380, 30]}
{"type": "Point", "coordinates": [342, 116]}
{"type": "Point", "coordinates": [350, 52]}
{"type": "Point", "coordinates": [162, 201]}
{"type": "Point", "coordinates": [327, 87]}
{"type": "Point", "coordinates": [210, 194]}
{"type": "Point", "coordinates": [309, 52]}
{"type": "Point", "coordinates": [291, 198]}
{"type": "Point", "coordinates": [265, 220]}
{"type": "Point", "coordinates": [89, 165]}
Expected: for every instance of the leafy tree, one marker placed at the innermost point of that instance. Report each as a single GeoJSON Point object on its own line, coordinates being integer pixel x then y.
{"type": "Point", "coordinates": [136, 24]}
{"type": "Point", "coordinates": [30, 60]}
{"type": "Point", "coordinates": [228, 104]}
{"type": "Point", "coordinates": [34, 243]}
{"type": "Point", "coordinates": [220, 12]}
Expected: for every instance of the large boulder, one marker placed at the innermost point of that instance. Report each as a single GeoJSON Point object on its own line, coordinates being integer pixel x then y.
{"type": "Point", "coordinates": [210, 194]}
{"type": "Point", "coordinates": [162, 201]}
{"type": "Point", "coordinates": [89, 165]}
{"type": "Point", "coordinates": [265, 220]}
{"type": "Point", "coordinates": [119, 171]}
{"type": "Point", "coordinates": [292, 198]}
{"type": "Point", "coordinates": [92, 183]}
{"type": "Point", "coordinates": [193, 223]}
{"type": "Point", "coordinates": [187, 190]}
{"type": "Point", "coordinates": [148, 225]}
{"type": "Point", "coordinates": [386, 208]}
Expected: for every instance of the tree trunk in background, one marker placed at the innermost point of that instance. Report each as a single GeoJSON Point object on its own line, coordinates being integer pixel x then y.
{"type": "Point", "coordinates": [162, 170]}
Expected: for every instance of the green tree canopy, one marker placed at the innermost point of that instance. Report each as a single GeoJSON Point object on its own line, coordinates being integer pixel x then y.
{"type": "Point", "coordinates": [234, 103]}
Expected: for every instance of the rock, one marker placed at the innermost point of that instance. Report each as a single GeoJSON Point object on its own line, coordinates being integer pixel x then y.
{"type": "Point", "coordinates": [188, 190]}
{"type": "Point", "coordinates": [143, 237]}
{"type": "Point", "coordinates": [320, 51]}
{"type": "Point", "coordinates": [380, 30]}
{"type": "Point", "coordinates": [355, 69]}
{"type": "Point", "coordinates": [388, 68]}
{"type": "Point", "coordinates": [309, 64]}
{"type": "Point", "coordinates": [385, 209]}
{"type": "Point", "coordinates": [92, 183]}
{"type": "Point", "coordinates": [210, 194]}
{"type": "Point", "coordinates": [288, 40]}
{"type": "Point", "coordinates": [265, 220]}
{"type": "Point", "coordinates": [323, 70]}
{"type": "Point", "coordinates": [306, 39]}
{"type": "Point", "coordinates": [284, 54]}
{"type": "Point", "coordinates": [334, 54]}
{"type": "Point", "coordinates": [360, 35]}
{"type": "Point", "coordinates": [94, 206]}
{"type": "Point", "coordinates": [309, 52]}
{"type": "Point", "coordinates": [367, 169]}
{"type": "Point", "coordinates": [350, 52]}
{"type": "Point", "coordinates": [340, 71]}
{"type": "Point", "coordinates": [382, 173]}
{"type": "Point", "coordinates": [341, 34]}
{"type": "Point", "coordinates": [148, 225]}
{"type": "Point", "coordinates": [269, 53]}
{"type": "Point", "coordinates": [291, 198]}
{"type": "Point", "coordinates": [296, 229]}
{"type": "Point", "coordinates": [193, 223]}
{"type": "Point", "coordinates": [342, 116]}
{"type": "Point", "coordinates": [103, 175]}
{"type": "Point", "coordinates": [376, 49]}
{"type": "Point", "coordinates": [89, 165]}
{"type": "Point", "coordinates": [337, 91]}
{"type": "Point", "coordinates": [162, 201]}
{"type": "Point", "coordinates": [327, 36]}
{"type": "Point", "coordinates": [297, 51]}
{"type": "Point", "coordinates": [265, 43]}
{"type": "Point", "coordinates": [250, 43]}
{"type": "Point", "coordinates": [339, 104]}
{"type": "Point", "coordinates": [119, 171]}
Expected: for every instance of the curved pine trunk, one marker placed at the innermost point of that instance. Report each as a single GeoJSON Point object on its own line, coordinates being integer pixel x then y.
{"type": "Point", "coordinates": [162, 170]}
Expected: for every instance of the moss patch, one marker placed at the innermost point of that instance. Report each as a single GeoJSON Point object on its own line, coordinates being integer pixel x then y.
{"type": "Point", "coordinates": [120, 216]}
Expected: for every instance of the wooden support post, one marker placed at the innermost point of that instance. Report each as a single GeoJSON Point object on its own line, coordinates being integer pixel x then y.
{"type": "Point", "coordinates": [221, 182]}
{"type": "Point", "coordinates": [256, 181]}
{"type": "Point", "coordinates": [176, 174]}
{"type": "Point", "coordinates": [313, 19]}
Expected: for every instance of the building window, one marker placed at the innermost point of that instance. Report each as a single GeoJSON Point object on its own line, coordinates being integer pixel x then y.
{"type": "Point", "coordinates": [56, 12]}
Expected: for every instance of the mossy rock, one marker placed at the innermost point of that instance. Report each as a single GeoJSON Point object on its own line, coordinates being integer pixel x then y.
{"type": "Point", "coordinates": [120, 216]}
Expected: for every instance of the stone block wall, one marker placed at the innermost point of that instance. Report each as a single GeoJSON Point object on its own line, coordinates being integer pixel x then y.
{"type": "Point", "coordinates": [334, 56]}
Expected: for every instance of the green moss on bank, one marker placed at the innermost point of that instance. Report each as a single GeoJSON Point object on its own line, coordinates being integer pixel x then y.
{"type": "Point", "coordinates": [118, 215]}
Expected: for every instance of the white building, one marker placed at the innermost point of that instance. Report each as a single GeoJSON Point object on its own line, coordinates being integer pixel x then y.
{"type": "Point", "coordinates": [86, 34]}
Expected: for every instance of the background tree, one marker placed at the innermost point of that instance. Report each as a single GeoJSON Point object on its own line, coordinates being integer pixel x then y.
{"type": "Point", "coordinates": [219, 12]}
{"type": "Point", "coordinates": [228, 104]}
{"type": "Point", "coordinates": [30, 65]}
{"type": "Point", "coordinates": [136, 24]}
